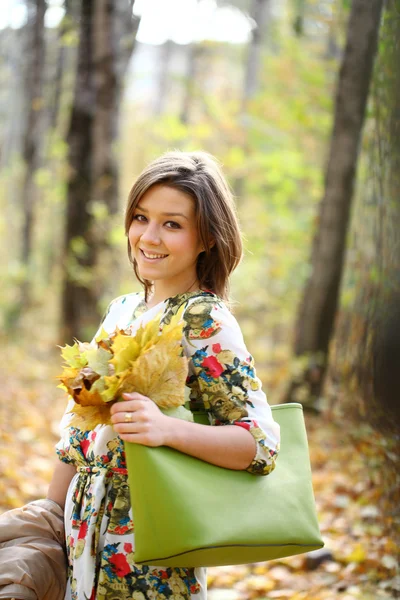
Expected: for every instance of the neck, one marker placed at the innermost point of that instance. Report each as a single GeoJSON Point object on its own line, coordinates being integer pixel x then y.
{"type": "Point", "coordinates": [160, 293]}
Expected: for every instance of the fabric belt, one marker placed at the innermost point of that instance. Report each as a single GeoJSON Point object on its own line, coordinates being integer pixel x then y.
{"type": "Point", "coordinates": [108, 471]}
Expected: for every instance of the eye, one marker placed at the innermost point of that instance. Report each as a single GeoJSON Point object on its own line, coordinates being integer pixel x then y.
{"type": "Point", "coordinates": [173, 225]}
{"type": "Point", "coordinates": [140, 218]}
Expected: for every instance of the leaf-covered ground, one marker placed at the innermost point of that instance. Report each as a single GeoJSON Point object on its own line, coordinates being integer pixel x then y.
{"type": "Point", "coordinates": [355, 484]}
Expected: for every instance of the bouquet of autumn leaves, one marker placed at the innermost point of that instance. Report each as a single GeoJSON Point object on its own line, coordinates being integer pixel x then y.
{"type": "Point", "coordinates": [151, 362]}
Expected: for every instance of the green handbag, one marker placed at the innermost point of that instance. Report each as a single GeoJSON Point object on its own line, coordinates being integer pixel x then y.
{"type": "Point", "coordinates": [189, 513]}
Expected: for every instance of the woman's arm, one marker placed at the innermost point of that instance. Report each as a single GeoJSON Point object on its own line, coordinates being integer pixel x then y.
{"type": "Point", "coordinates": [222, 381]}
{"type": "Point", "coordinates": [62, 476]}
{"type": "Point", "coordinates": [229, 446]}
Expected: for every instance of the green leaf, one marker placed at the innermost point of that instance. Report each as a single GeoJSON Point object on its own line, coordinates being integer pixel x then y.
{"type": "Point", "coordinates": [72, 356]}
{"type": "Point", "coordinates": [97, 359]}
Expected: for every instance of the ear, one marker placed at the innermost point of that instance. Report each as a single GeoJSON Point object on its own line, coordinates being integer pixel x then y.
{"type": "Point", "coordinates": [210, 245]}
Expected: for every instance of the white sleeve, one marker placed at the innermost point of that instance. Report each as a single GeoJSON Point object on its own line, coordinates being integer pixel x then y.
{"type": "Point", "coordinates": [222, 377]}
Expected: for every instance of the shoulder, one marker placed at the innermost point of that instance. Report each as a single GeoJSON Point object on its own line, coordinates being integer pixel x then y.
{"type": "Point", "coordinates": [207, 315]}
{"type": "Point", "coordinates": [120, 306]}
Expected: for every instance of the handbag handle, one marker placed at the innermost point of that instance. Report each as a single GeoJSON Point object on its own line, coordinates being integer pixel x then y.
{"type": "Point", "coordinates": [200, 415]}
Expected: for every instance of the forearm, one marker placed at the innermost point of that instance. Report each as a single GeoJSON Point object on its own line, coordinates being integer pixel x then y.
{"type": "Point", "coordinates": [138, 420]}
{"type": "Point", "coordinates": [225, 446]}
{"type": "Point", "coordinates": [63, 474]}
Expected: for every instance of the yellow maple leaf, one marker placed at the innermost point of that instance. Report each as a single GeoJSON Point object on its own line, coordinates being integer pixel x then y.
{"type": "Point", "coordinates": [148, 334]}
{"type": "Point", "coordinates": [159, 370]}
{"type": "Point", "coordinates": [151, 362]}
{"type": "Point", "coordinates": [125, 349]}
{"type": "Point", "coordinates": [69, 374]}
{"type": "Point", "coordinates": [160, 376]}
{"type": "Point", "coordinates": [102, 335]}
{"type": "Point", "coordinates": [88, 417]}
{"type": "Point", "coordinates": [112, 385]}
{"type": "Point", "coordinates": [358, 554]}
{"type": "Point", "coordinates": [72, 355]}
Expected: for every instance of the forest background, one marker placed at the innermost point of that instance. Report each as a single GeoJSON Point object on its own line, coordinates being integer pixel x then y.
{"type": "Point", "coordinates": [299, 100]}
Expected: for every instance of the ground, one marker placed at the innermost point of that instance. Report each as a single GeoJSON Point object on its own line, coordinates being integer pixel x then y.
{"type": "Point", "coordinates": [354, 477]}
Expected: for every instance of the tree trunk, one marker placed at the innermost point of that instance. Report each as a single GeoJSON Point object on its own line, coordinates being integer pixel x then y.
{"type": "Point", "coordinates": [163, 79]}
{"type": "Point", "coordinates": [15, 44]}
{"type": "Point", "coordinates": [259, 14]}
{"type": "Point", "coordinates": [108, 96]}
{"type": "Point", "coordinates": [92, 194]}
{"type": "Point", "coordinates": [384, 328]}
{"type": "Point", "coordinates": [195, 52]}
{"type": "Point", "coordinates": [32, 139]}
{"type": "Point", "coordinates": [365, 355]}
{"type": "Point", "coordinates": [298, 22]}
{"type": "Point", "coordinates": [317, 309]}
{"type": "Point", "coordinates": [64, 61]}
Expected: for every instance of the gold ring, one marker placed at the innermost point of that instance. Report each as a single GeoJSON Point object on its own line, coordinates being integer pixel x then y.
{"type": "Point", "coordinates": [128, 417]}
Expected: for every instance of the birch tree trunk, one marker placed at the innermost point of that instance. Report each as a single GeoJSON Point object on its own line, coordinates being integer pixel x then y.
{"type": "Point", "coordinates": [34, 68]}
{"type": "Point", "coordinates": [195, 52]}
{"type": "Point", "coordinates": [317, 309]}
{"type": "Point", "coordinates": [166, 51]}
{"type": "Point", "coordinates": [93, 182]}
{"type": "Point", "coordinates": [259, 14]}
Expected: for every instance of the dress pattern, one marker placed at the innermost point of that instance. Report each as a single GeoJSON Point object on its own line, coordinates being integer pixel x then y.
{"type": "Point", "coordinates": [98, 516]}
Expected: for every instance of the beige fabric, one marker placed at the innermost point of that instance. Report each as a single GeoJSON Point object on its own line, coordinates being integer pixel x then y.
{"type": "Point", "coordinates": [32, 552]}
{"type": "Point", "coordinates": [19, 592]}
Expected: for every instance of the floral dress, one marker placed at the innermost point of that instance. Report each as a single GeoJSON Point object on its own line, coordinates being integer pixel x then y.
{"type": "Point", "coordinates": [98, 517]}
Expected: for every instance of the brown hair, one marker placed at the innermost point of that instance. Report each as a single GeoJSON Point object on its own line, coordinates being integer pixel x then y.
{"type": "Point", "coordinates": [198, 175]}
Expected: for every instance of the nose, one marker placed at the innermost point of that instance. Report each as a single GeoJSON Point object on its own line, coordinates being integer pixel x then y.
{"type": "Point", "coordinates": [151, 235]}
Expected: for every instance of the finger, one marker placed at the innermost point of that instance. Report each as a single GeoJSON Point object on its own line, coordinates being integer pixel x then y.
{"type": "Point", "coordinates": [133, 396]}
{"type": "Point", "coordinates": [131, 428]}
{"type": "Point", "coordinates": [123, 405]}
{"type": "Point", "coordinates": [131, 415]}
{"type": "Point", "coordinates": [126, 406]}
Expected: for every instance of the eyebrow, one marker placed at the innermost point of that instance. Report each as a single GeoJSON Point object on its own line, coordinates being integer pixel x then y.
{"type": "Point", "coordinates": [165, 214]}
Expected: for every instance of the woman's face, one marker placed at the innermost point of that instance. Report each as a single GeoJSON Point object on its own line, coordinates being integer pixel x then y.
{"type": "Point", "coordinates": [164, 238]}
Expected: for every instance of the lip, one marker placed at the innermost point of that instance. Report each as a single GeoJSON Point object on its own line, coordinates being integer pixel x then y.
{"type": "Point", "coordinates": [152, 260]}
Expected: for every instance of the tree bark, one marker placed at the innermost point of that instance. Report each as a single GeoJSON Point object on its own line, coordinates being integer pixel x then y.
{"type": "Point", "coordinates": [384, 327]}
{"type": "Point", "coordinates": [317, 309]}
{"type": "Point", "coordinates": [93, 181]}
{"type": "Point", "coordinates": [63, 60]}
{"type": "Point", "coordinates": [195, 52]}
{"type": "Point", "coordinates": [79, 300]}
{"type": "Point", "coordinates": [368, 345]}
{"type": "Point", "coordinates": [259, 14]}
{"type": "Point", "coordinates": [298, 22]}
{"type": "Point", "coordinates": [32, 143]}
{"type": "Point", "coordinates": [162, 78]}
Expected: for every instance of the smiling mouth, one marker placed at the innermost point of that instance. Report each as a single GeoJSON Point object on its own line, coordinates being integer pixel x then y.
{"type": "Point", "coordinates": [152, 256]}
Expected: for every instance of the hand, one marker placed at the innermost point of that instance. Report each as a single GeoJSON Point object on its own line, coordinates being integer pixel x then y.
{"type": "Point", "coordinates": [147, 425]}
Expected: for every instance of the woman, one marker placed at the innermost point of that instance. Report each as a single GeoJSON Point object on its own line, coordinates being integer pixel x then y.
{"type": "Point", "coordinates": [183, 242]}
